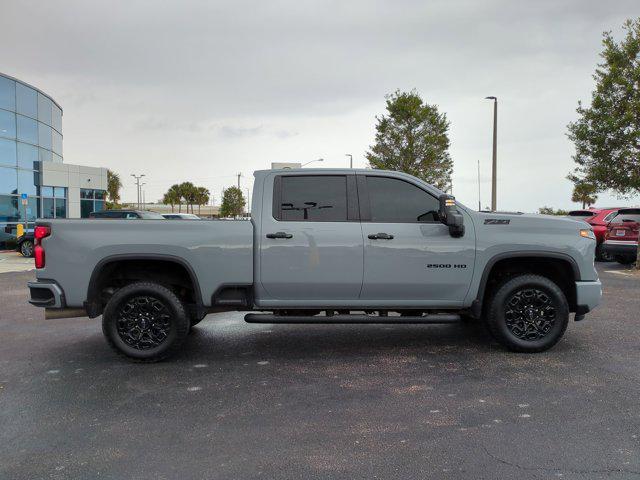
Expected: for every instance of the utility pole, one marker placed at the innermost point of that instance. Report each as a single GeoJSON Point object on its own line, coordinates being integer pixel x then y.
{"type": "Point", "coordinates": [350, 159]}
{"type": "Point", "coordinates": [248, 201]}
{"type": "Point", "coordinates": [138, 177]}
{"type": "Point", "coordinates": [239, 175]}
{"type": "Point", "coordinates": [494, 164]}
{"type": "Point", "coordinates": [479, 200]}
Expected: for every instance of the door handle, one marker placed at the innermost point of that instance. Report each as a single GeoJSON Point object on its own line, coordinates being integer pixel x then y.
{"type": "Point", "coordinates": [279, 235]}
{"type": "Point", "coordinates": [380, 236]}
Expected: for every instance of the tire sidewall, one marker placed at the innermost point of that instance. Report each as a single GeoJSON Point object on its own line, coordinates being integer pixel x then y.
{"type": "Point", "coordinates": [22, 246]}
{"type": "Point", "coordinates": [497, 320]}
{"type": "Point", "coordinates": [179, 321]}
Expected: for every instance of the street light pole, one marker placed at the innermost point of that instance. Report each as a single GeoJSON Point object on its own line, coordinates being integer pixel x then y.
{"type": "Point", "coordinates": [350, 159]}
{"type": "Point", "coordinates": [479, 199]}
{"type": "Point", "coordinates": [138, 177]}
{"type": "Point", "coordinates": [316, 160]}
{"type": "Point", "coordinates": [494, 164]}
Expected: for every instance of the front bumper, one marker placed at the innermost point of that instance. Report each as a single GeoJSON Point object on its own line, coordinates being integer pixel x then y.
{"type": "Point", "coordinates": [588, 295]}
{"type": "Point", "coordinates": [620, 248]}
{"type": "Point", "coordinates": [46, 293]}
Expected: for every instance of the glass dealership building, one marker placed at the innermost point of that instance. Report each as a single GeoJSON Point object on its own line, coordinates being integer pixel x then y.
{"type": "Point", "coordinates": [31, 162]}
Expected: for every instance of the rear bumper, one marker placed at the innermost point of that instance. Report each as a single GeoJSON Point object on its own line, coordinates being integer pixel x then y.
{"type": "Point", "coordinates": [624, 248]}
{"type": "Point", "coordinates": [588, 295]}
{"type": "Point", "coordinates": [46, 293]}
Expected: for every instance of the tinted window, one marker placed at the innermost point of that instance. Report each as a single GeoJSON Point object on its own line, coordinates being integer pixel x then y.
{"type": "Point", "coordinates": [628, 216]}
{"type": "Point", "coordinates": [26, 100]}
{"type": "Point", "coordinates": [61, 208]}
{"type": "Point", "coordinates": [56, 118]}
{"type": "Point", "coordinates": [581, 213]}
{"type": "Point", "coordinates": [397, 201]}
{"type": "Point", "coordinates": [7, 94]}
{"type": "Point", "coordinates": [314, 199]}
{"type": "Point", "coordinates": [151, 216]}
{"type": "Point", "coordinates": [48, 208]}
{"type": "Point", "coordinates": [7, 124]}
{"type": "Point", "coordinates": [27, 130]}
{"type": "Point", "coordinates": [27, 156]}
{"type": "Point", "coordinates": [44, 136]}
{"type": "Point", "coordinates": [9, 208]}
{"type": "Point", "coordinates": [7, 152]}
{"type": "Point", "coordinates": [27, 181]}
{"type": "Point", "coordinates": [609, 217]}
{"type": "Point", "coordinates": [44, 109]}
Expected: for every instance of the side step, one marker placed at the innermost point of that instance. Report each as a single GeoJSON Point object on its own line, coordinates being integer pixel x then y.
{"type": "Point", "coordinates": [436, 318]}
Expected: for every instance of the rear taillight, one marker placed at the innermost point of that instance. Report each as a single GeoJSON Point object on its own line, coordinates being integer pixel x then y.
{"type": "Point", "coordinates": [39, 233]}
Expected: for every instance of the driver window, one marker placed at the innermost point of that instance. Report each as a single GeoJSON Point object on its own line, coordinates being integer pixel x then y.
{"type": "Point", "coordinates": [396, 201]}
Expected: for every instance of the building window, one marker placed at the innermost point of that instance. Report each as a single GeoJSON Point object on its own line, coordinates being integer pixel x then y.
{"type": "Point", "coordinates": [7, 152]}
{"type": "Point", "coordinates": [91, 201]}
{"type": "Point", "coordinates": [27, 130]}
{"type": "Point", "coordinates": [26, 101]}
{"type": "Point", "coordinates": [27, 156]}
{"type": "Point", "coordinates": [44, 109]}
{"type": "Point", "coordinates": [7, 94]}
{"type": "Point", "coordinates": [7, 124]}
{"type": "Point", "coordinates": [54, 202]}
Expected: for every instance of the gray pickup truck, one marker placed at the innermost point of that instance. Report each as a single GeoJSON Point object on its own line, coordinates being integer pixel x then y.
{"type": "Point", "coordinates": [323, 246]}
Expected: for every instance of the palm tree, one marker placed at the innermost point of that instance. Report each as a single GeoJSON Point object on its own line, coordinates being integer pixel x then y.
{"type": "Point", "coordinates": [188, 193]}
{"type": "Point", "coordinates": [202, 197]}
{"type": "Point", "coordinates": [173, 197]}
{"type": "Point", "coordinates": [113, 186]}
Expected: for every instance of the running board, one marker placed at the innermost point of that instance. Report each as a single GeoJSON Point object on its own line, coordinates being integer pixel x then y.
{"type": "Point", "coordinates": [440, 318]}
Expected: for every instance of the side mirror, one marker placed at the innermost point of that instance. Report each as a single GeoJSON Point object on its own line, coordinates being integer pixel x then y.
{"type": "Point", "coordinates": [450, 216]}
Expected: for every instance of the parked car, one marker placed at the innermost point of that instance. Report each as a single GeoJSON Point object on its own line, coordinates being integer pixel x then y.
{"type": "Point", "coordinates": [598, 218]}
{"type": "Point", "coordinates": [25, 244]}
{"type": "Point", "coordinates": [127, 214]}
{"type": "Point", "coordinates": [180, 216]}
{"type": "Point", "coordinates": [621, 240]}
{"type": "Point", "coordinates": [322, 246]}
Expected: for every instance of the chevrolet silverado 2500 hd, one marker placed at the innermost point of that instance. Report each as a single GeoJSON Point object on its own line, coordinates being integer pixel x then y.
{"type": "Point", "coordinates": [323, 246]}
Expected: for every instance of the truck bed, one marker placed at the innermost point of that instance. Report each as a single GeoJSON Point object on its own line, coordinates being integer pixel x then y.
{"type": "Point", "coordinates": [215, 252]}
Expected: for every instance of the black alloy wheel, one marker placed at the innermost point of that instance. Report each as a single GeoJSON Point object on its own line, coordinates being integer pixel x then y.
{"type": "Point", "coordinates": [145, 321]}
{"type": "Point", "coordinates": [527, 313]}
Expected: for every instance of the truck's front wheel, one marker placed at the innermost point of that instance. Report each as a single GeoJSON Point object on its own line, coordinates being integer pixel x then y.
{"type": "Point", "coordinates": [528, 313]}
{"type": "Point", "coordinates": [145, 321]}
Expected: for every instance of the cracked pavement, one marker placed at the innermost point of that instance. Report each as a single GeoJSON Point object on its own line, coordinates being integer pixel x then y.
{"type": "Point", "coordinates": [321, 401]}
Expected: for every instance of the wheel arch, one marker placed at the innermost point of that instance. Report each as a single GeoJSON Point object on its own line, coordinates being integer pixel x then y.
{"type": "Point", "coordinates": [504, 262]}
{"type": "Point", "coordinates": [106, 265]}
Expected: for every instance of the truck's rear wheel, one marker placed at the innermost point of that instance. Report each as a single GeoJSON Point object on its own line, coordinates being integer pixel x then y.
{"type": "Point", "coordinates": [145, 321]}
{"type": "Point", "coordinates": [528, 313]}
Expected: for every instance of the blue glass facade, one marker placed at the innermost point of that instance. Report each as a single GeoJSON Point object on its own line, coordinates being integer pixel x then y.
{"type": "Point", "coordinates": [30, 132]}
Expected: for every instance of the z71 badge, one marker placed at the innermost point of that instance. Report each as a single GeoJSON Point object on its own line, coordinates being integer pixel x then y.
{"type": "Point", "coordinates": [497, 221]}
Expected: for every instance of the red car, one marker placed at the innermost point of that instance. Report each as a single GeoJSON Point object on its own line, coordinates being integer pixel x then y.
{"type": "Point", "coordinates": [598, 218]}
{"type": "Point", "coordinates": [621, 239]}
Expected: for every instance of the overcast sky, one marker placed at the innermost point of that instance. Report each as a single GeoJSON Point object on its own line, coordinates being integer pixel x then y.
{"type": "Point", "coordinates": [202, 90]}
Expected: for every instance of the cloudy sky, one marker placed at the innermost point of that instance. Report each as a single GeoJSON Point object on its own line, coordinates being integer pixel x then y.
{"type": "Point", "coordinates": [201, 90]}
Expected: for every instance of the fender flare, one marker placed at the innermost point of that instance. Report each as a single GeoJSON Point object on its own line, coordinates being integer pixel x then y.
{"type": "Point", "coordinates": [90, 303]}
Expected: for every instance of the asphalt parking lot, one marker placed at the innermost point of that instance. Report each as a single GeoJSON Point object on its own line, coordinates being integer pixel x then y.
{"type": "Point", "coordinates": [355, 402]}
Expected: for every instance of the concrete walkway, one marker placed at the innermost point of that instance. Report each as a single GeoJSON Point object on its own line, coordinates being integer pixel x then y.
{"type": "Point", "coordinates": [11, 261]}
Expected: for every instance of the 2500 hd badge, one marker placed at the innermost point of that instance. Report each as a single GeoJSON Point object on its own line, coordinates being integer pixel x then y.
{"type": "Point", "coordinates": [446, 265]}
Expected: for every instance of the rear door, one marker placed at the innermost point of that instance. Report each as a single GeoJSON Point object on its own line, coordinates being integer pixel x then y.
{"type": "Point", "coordinates": [409, 255]}
{"type": "Point", "coordinates": [311, 246]}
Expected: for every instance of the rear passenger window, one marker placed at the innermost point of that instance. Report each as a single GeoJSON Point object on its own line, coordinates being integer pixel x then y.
{"type": "Point", "coordinates": [396, 201]}
{"type": "Point", "coordinates": [321, 198]}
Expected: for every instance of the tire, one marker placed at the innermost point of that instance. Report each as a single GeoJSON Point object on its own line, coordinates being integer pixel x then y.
{"type": "Point", "coordinates": [158, 323]}
{"type": "Point", "coordinates": [625, 260]}
{"type": "Point", "coordinates": [528, 313]}
{"type": "Point", "coordinates": [601, 255]}
{"type": "Point", "coordinates": [26, 248]}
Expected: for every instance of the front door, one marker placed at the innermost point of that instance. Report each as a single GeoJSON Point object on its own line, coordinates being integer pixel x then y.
{"type": "Point", "coordinates": [311, 246]}
{"type": "Point", "coordinates": [409, 256]}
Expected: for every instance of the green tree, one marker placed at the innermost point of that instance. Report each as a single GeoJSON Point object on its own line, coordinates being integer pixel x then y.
{"type": "Point", "coordinates": [552, 211]}
{"type": "Point", "coordinates": [585, 193]}
{"type": "Point", "coordinates": [233, 202]}
{"type": "Point", "coordinates": [173, 197]}
{"type": "Point", "coordinates": [412, 137]}
{"type": "Point", "coordinates": [113, 188]}
{"type": "Point", "coordinates": [188, 194]}
{"type": "Point", "coordinates": [202, 197]}
{"type": "Point", "coordinates": [607, 133]}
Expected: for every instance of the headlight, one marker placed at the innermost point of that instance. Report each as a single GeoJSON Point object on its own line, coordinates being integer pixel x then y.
{"type": "Point", "coordinates": [587, 233]}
